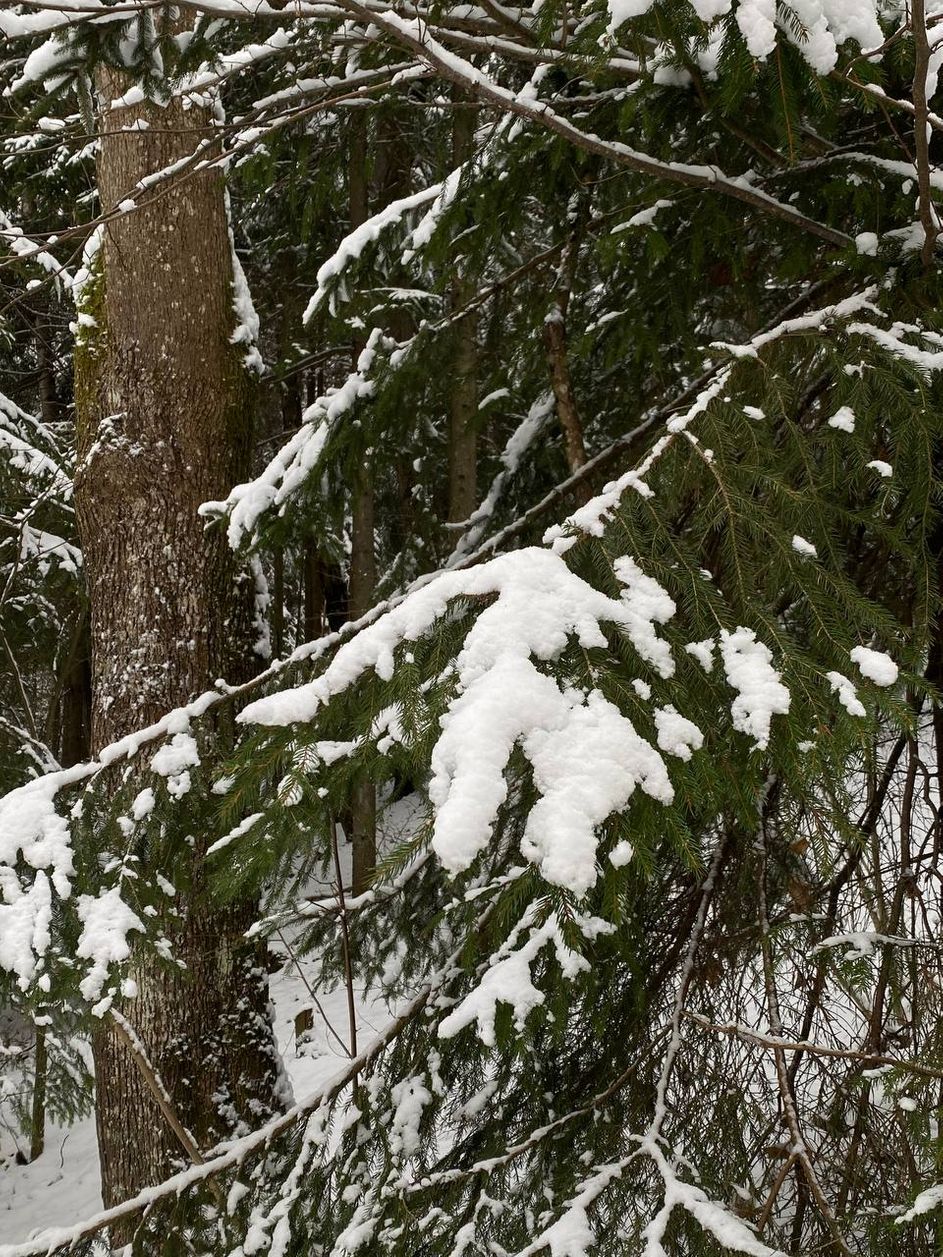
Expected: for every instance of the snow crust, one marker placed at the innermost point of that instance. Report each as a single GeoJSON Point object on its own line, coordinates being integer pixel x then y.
{"type": "Point", "coordinates": [703, 652]}
{"type": "Point", "coordinates": [30, 826]}
{"type": "Point", "coordinates": [586, 756]}
{"type": "Point", "coordinates": [507, 979]}
{"type": "Point", "coordinates": [826, 24]}
{"type": "Point", "coordinates": [410, 1096]}
{"type": "Point", "coordinates": [760, 692]}
{"type": "Point", "coordinates": [676, 734]}
{"type": "Point", "coordinates": [843, 419]}
{"type": "Point", "coordinates": [296, 460]}
{"type": "Point", "coordinates": [847, 694]}
{"type": "Point", "coordinates": [586, 768]}
{"type": "Point", "coordinates": [173, 761]}
{"type": "Point", "coordinates": [356, 242]}
{"type": "Point", "coordinates": [106, 923]}
{"type": "Point", "coordinates": [875, 665]}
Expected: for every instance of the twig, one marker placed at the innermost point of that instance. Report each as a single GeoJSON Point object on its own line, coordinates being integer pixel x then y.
{"type": "Point", "coordinates": [345, 942]}
{"type": "Point", "coordinates": [411, 35]}
{"type": "Point", "coordinates": [781, 1177]}
{"type": "Point", "coordinates": [232, 1154]}
{"type": "Point", "coordinates": [687, 973]}
{"type": "Point", "coordinates": [800, 1148]}
{"type": "Point", "coordinates": [814, 1049]}
{"type": "Point", "coordinates": [310, 989]}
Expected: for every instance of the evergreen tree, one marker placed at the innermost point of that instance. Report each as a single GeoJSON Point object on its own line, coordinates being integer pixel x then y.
{"type": "Point", "coordinates": [660, 951]}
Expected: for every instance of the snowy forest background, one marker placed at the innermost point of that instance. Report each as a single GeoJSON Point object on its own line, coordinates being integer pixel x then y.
{"type": "Point", "coordinates": [471, 700]}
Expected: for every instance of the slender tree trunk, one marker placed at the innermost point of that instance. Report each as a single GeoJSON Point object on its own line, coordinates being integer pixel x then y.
{"type": "Point", "coordinates": [312, 617]}
{"type": "Point", "coordinates": [37, 316]}
{"type": "Point", "coordinates": [567, 413]}
{"type": "Point", "coordinates": [164, 409]}
{"type": "Point", "coordinates": [278, 602]}
{"type": "Point", "coordinates": [555, 343]}
{"type": "Point", "coordinates": [363, 569]}
{"type": "Point", "coordinates": [37, 1131]}
{"type": "Point", "coordinates": [73, 712]}
{"type": "Point", "coordinates": [463, 397]}
{"type": "Point", "coordinates": [393, 179]}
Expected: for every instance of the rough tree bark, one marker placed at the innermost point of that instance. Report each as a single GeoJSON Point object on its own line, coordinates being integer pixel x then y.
{"type": "Point", "coordinates": [164, 412]}
{"type": "Point", "coordinates": [463, 399]}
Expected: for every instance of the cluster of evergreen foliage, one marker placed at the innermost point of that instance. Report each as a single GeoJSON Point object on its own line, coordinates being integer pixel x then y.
{"type": "Point", "coordinates": [596, 504]}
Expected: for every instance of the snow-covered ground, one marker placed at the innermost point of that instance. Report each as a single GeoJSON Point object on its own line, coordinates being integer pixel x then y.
{"type": "Point", "coordinates": [60, 1187]}
{"type": "Point", "coordinates": [63, 1185]}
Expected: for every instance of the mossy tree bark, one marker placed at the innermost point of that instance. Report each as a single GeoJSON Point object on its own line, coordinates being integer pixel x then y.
{"type": "Point", "coordinates": [164, 412]}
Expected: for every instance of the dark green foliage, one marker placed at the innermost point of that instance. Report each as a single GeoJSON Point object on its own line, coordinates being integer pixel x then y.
{"type": "Point", "coordinates": [788, 895]}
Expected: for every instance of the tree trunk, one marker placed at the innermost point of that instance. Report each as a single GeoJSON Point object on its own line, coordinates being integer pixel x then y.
{"type": "Point", "coordinates": [278, 602]}
{"type": "Point", "coordinates": [363, 564]}
{"type": "Point", "coordinates": [463, 397]}
{"type": "Point", "coordinates": [392, 179]}
{"type": "Point", "coordinates": [37, 316]}
{"type": "Point", "coordinates": [73, 711]}
{"type": "Point", "coordinates": [37, 1126]}
{"type": "Point", "coordinates": [555, 342]}
{"type": "Point", "coordinates": [164, 409]}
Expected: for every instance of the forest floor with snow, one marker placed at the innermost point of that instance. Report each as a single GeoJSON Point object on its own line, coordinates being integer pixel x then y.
{"type": "Point", "coordinates": [62, 1186]}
